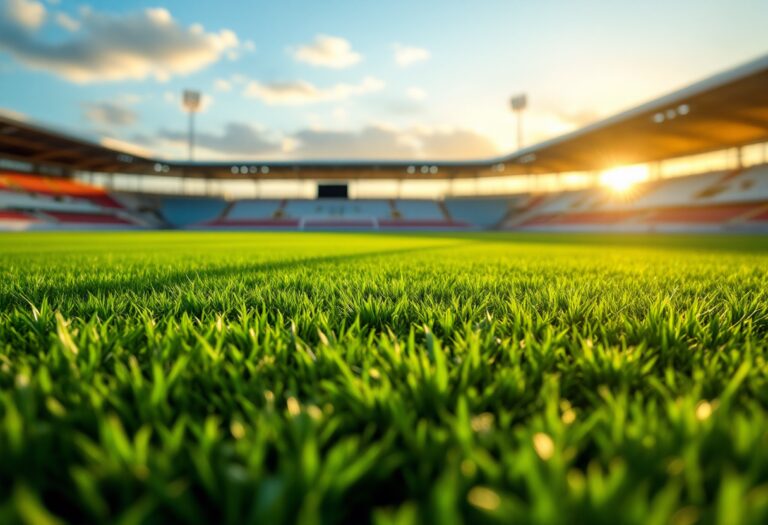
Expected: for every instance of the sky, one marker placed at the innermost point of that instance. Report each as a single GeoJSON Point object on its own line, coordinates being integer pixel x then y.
{"type": "Point", "coordinates": [401, 79]}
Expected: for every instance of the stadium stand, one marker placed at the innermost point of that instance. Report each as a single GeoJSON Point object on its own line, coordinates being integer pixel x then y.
{"type": "Point", "coordinates": [86, 218]}
{"type": "Point", "coordinates": [419, 214]}
{"type": "Point", "coordinates": [57, 187]}
{"type": "Point", "coordinates": [34, 202]}
{"type": "Point", "coordinates": [478, 213]}
{"type": "Point", "coordinates": [760, 216]}
{"type": "Point", "coordinates": [185, 212]}
{"type": "Point", "coordinates": [338, 213]}
{"type": "Point", "coordinates": [324, 214]}
{"type": "Point", "coordinates": [251, 214]}
{"type": "Point", "coordinates": [745, 185]}
{"type": "Point", "coordinates": [418, 210]}
{"type": "Point", "coordinates": [673, 192]}
{"type": "Point", "coordinates": [254, 209]}
{"type": "Point", "coordinates": [700, 214]}
{"type": "Point", "coordinates": [723, 114]}
{"type": "Point", "coordinates": [17, 220]}
{"type": "Point", "coordinates": [714, 201]}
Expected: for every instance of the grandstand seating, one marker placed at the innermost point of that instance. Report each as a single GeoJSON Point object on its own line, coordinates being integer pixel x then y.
{"type": "Point", "coordinates": [10, 199]}
{"type": "Point", "coordinates": [480, 213]}
{"type": "Point", "coordinates": [581, 218]}
{"type": "Point", "coordinates": [699, 214]}
{"type": "Point", "coordinates": [712, 201]}
{"type": "Point", "coordinates": [420, 214]}
{"type": "Point", "coordinates": [252, 213]}
{"type": "Point", "coordinates": [86, 218]}
{"type": "Point", "coordinates": [17, 220]}
{"type": "Point", "coordinates": [335, 214]}
{"type": "Point", "coordinates": [253, 209]}
{"type": "Point", "coordinates": [419, 210]}
{"type": "Point", "coordinates": [57, 187]}
{"type": "Point", "coordinates": [32, 202]}
{"type": "Point", "coordinates": [677, 191]}
{"type": "Point", "coordinates": [184, 212]}
{"type": "Point", "coordinates": [723, 200]}
{"type": "Point", "coordinates": [748, 185]}
{"type": "Point", "coordinates": [339, 210]}
{"type": "Point", "coordinates": [760, 216]}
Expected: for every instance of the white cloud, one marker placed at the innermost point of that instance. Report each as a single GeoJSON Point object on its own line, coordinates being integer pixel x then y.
{"type": "Point", "coordinates": [301, 92]}
{"type": "Point", "coordinates": [415, 93]}
{"type": "Point", "coordinates": [237, 78]}
{"type": "Point", "coordinates": [327, 51]}
{"type": "Point", "coordinates": [14, 115]}
{"type": "Point", "coordinates": [387, 142]}
{"type": "Point", "coordinates": [408, 55]}
{"type": "Point", "coordinates": [237, 139]}
{"type": "Point", "coordinates": [67, 22]}
{"type": "Point", "coordinates": [249, 46]}
{"type": "Point", "coordinates": [110, 47]}
{"type": "Point", "coordinates": [339, 113]}
{"type": "Point", "coordinates": [127, 147]}
{"type": "Point", "coordinates": [129, 99]}
{"type": "Point", "coordinates": [109, 114]}
{"type": "Point", "coordinates": [221, 84]}
{"type": "Point", "coordinates": [26, 14]}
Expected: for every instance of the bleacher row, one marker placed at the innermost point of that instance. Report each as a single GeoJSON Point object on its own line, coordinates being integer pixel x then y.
{"type": "Point", "coordinates": [716, 201]}
{"type": "Point", "coordinates": [33, 202]}
{"type": "Point", "coordinates": [334, 213]}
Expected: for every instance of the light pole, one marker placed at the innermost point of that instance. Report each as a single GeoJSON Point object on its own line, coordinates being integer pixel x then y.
{"type": "Point", "coordinates": [518, 104]}
{"type": "Point", "coordinates": [191, 101]}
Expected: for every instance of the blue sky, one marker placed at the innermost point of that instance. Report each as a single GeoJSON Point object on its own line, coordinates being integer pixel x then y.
{"type": "Point", "coordinates": [301, 79]}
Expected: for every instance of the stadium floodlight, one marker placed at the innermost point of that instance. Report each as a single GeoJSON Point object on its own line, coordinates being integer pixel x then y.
{"type": "Point", "coordinates": [191, 101]}
{"type": "Point", "coordinates": [519, 103]}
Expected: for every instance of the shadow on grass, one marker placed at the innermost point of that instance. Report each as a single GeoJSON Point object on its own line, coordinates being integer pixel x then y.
{"type": "Point", "coordinates": [164, 281]}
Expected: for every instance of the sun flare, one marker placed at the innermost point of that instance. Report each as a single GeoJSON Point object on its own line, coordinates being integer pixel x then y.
{"type": "Point", "coordinates": [623, 178]}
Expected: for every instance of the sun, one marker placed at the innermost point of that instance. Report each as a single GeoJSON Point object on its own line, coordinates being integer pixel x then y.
{"type": "Point", "coordinates": [623, 178]}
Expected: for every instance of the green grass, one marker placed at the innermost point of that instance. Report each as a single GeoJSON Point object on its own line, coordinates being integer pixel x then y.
{"type": "Point", "coordinates": [342, 378]}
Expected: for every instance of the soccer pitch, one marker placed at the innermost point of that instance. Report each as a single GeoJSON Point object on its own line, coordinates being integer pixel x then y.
{"type": "Point", "coordinates": [394, 379]}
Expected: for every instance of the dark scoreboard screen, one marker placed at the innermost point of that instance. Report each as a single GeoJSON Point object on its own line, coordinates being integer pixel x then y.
{"type": "Point", "coordinates": [332, 191]}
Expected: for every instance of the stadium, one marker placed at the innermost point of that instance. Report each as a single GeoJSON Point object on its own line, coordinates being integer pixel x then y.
{"type": "Point", "coordinates": [719, 122]}
{"type": "Point", "coordinates": [255, 327]}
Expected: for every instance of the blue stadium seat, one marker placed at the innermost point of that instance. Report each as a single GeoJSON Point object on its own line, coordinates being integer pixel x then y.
{"type": "Point", "coordinates": [483, 213]}
{"type": "Point", "coordinates": [188, 211]}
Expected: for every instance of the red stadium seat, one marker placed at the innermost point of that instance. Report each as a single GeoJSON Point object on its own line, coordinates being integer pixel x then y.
{"type": "Point", "coordinates": [57, 187]}
{"type": "Point", "coordinates": [700, 214]}
{"type": "Point", "coordinates": [10, 215]}
{"type": "Point", "coordinates": [86, 218]}
{"type": "Point", "coordinates": [762, 216]}
{"type": "Point", "coordinates": [597, 217]}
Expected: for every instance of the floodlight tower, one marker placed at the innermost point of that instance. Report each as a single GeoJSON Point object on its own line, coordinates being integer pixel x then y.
{"type": "Point", "coordinates": [518, 104]}
{"type": "Point", "coordinates": [191, 101]}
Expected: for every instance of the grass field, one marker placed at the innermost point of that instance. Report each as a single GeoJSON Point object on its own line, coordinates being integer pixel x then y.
{"type": "Point", "coordinates": [329, 378]}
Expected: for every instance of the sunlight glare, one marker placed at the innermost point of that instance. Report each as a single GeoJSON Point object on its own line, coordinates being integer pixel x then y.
{"type": "Point", "coordinates": [623, 178]}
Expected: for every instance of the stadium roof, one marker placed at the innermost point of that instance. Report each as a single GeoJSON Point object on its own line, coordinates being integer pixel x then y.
{"type": "Point", "coordinates": [727, 110]}
{"type": "Point", "coordinates": [724, 111]}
